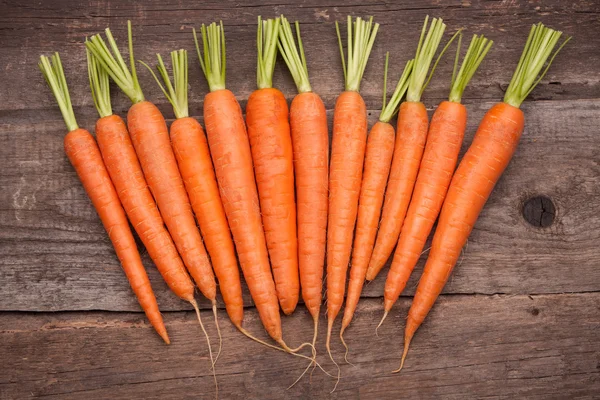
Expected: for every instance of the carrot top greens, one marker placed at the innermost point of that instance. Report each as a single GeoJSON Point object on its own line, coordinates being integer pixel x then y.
{"type": "Point", "coordinates": [478, 49]}
{"type": "Point", "coordinates": [213, 61]}
{"type": "Point", "coordinates": [99, 84]}
{"type": "Point", "coordinates": [537, 50]}
{"type": "Point", "coordinates": [267, 36]}
{"type": "Point", "coordinates": [360, 43]}
{"type": "Point", "coordinates": [390, 109]}
{"type": "Point", "coordinates": [176, 92]}
{"type": "Point", "coordinates": [112, 61]}
{"type": "Point", "coordinates": [55, 78]}
{"type": "Point", "coordinates": [294, 56]}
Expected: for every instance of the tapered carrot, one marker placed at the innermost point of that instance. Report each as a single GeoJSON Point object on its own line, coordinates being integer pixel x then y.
{"type": "Point", "coordinates": [411, 135]}
{"type": "Point", "coordinates": [493, 146]}
{"type": "Point", "coordinates": [310, 144]}
{"type": "Point", "coordinates": [378, 158]}
{"type": "Point", "coordinates": [346, 167]}
{"type": "Point", "coordinates": [150, 139]}
{"type": "Point", "coordinates": [267, 118]}
{"type": "Point", "coordinates": [84, 155]}
{"type": "Point", "coordinates": [444, 140]}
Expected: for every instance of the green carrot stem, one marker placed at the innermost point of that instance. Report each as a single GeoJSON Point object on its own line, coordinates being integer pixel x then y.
{"type": "Point", "coordinates": [54, 74]}
{"type": "Point", "coordinates": [99, 84]}
{"type": "Point", "coordinates": [478, 49]}
{"type": "Point", "coordinates": [212, 59]}
{"type": "Point", "coordinates": [294, 56]}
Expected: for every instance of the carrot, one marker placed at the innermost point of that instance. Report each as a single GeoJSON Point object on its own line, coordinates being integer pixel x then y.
{"type": "Point", "coordinates": [490, 152]}
{"type": "Point", "coordinates": [84, 155]}
{"type": "Point", "coordinates": [267, 118]}
{"type": "Point", "coordinates": [410, 141]}
{"type": "Point", "coordinates": [345, 170]}
{"type": "Point", "coordinates": [150, 139]}
{"type": "Point", "coordinates": [378, 158]}
{"type": "Point", "coordinates": [232, 159]}
{"type": "Point", "coordinates": [310, 145]}
{"type": "Point", "coordinates": [444, 140]}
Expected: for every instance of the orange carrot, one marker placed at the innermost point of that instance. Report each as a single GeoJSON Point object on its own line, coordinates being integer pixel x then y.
{"type": "Point", "coordinates": [310, 145]}
{"type": "Point", "coordinates": [493, 146]}
{"type": "Point", "coordinates": [444, 139]}
{"type": "Point", "coordinates": [150, 139]}
{"type": "Point", "coordinates": [378, 158]}
{"type": "Point", "coordinates": [410, 141]}
{"type": "Point", "coordinates": [267, 118]}
{"type": "Point", "coordinates": [345, 170]}
{"type": "Point", "coordinates": [84, 155]}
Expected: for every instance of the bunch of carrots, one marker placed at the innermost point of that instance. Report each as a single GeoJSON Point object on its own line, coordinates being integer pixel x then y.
{"type": "Point", "coordinates": [267, 193]}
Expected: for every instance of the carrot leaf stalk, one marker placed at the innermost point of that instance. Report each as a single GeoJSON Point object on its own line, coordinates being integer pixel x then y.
{"type": "Point", "coordinates": [54, 74]}
{"type": "Point", "coordinates": [294, 56]}
{"type": "Point", "coordinates": [114, 64]}
{"type": "Point", "coordinates": [360, 43]}
{"type": "Point", "coordinates": [478, 49]}
{"type": "Point", "coordinates": [176, 92]}
{"type": "Point", "coordinates": [389, 109]}
{"type": "Point", "coordinates": [99, 84]}
{"type": "Point", "coordinates": [428, 45]}
{"type": "Point", "coordinates": [213, 61]}
{"type": "Point", "coordinates": [267, 36]}
{"type": "Point", "coordinates": [538, 49]}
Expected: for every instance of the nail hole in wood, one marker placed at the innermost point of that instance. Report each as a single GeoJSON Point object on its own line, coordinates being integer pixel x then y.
{"type": "Point", "coordinates": [534, 311]}
{"type": "Point", "coordinates": [539, 211]}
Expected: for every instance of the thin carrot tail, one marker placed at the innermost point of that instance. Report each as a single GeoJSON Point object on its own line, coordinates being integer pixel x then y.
{"type": "Point", "coordinates": [407, 338]}
{"type": "Point", "coordinates": [345, 345]}
{"type": "Point", "coordinates": [328, 346]}
{"type": "Point", "coordinates": [195, 305]}
{"type": "Point", "coordinates": [314, 352]}
{"type": "Point", "coordinates": [385, 314]}
{"type": "Point", "coordinates": [214, 308]}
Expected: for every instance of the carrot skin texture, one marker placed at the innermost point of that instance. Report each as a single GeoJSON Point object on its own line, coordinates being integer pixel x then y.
{"type": "Point", "coordinates": [193, 158]}
{"type": "Point", "coordinates": [310, 143]}
{"type": "Point", "coordinates": [492, 148]}
{"type": "Point", "coordinates": [378, 159]}
{"type": "Point", "coordinates": [232, 159]}
{"type": "Point", "coordinates": [345, 177]}
{"type": "Point", "coordinates": [127, 176]}
{"type": "Point", "coordinates": [267, 118]}
{"type": "Point", "coordinates": [444, 140]}
{"type": "Point", "coordinates": [411, 135]}
{"type": "Point", "coordinates": [82, 151]}
{"type": "Point", "coordinates": [150, 138]}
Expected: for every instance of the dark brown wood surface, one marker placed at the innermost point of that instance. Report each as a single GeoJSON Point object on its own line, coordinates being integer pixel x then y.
{"type": "Point", "coordinates": [520, 316]}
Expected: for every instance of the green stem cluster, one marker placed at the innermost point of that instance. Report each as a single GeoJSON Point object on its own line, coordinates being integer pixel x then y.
{"type": "Point", "coordinates": [112, 61]}
{"type": "Point", "coordinates": [538, 48]}
{"type": "Point", "coordinates": [99, 85]}
{"type": "Point", "coordinates": [360, 43]}
{"type": "Point", "coordinates": [391, 108]}
{"type": "Point", "coordinates": [267, 36]}
{"type": "Point", "coordinates": [176, 93]}
{"type": "Point", "coordinates": [54, 74]}
{"type": "Point", "coordinates": [294, 56]}
{"type": "Point", "coordinates": [213, 62]}
{"type": "Point", "coordinates": [478, 49]}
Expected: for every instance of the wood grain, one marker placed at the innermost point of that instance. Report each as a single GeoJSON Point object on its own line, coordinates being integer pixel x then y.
{"type": "Point", "coordinates": [534, 347]}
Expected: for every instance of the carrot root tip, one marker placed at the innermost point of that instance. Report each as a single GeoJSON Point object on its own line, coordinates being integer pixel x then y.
{"type": "Point", "coordinates": [212, 362]}
{"type": "Point", "coordinates": [385, 314]}
{"type": "Point", "coordinates": [328, 346]}
{"type": "Point", "coordinates": [214, 308]}
{"type": "Point", "coordinates": [404, 353]}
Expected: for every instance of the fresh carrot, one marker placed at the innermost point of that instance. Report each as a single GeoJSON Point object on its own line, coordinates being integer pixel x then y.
{"type": "Point", "coordinates": [84, 155]}
{"type": "Point", "coordinates": [150, 139]}
{"type": "Point", "coordinates": [378, 159]}
{"type": "Point", "coordinates": [411, 135]}
{"type": "Point", "coordinates": [310, 145]}
{"type": "Point", "coordinates": [444, 140]}
{"type": "Point", "coordinates": [490, 152]}
{"type": "Point", "coordinates": [346, 167]}
{"type": "Point", "coordinates": [267, 118]}
{"type": "Point", "coordinates": [232, 159]}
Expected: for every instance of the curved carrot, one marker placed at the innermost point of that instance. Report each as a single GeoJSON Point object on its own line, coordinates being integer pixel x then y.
{"type": "Point", "coordinates": [346, 167]}
{"type": "Point", "coordinates": [378, 158]}
{"type": "Point", "coordinates": [411, 135]}
{"type": "Point", "coordinates": [84, 155]}
{"type": "Point", "coordinates": [493, 146]}
{"type": "Point", "coordinates": [444, 140]}
{"type": "Point", "coordinates": [267, 118]}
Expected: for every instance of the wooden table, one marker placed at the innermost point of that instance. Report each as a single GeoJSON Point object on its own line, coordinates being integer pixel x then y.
{"type": "Point", "coordinates": [520, 317]}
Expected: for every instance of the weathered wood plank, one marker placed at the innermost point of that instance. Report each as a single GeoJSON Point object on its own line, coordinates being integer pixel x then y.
{"type": "Point", "coordinates": [30, 28]}
{"type": "Point", "coordinates": [534, 347]}
{"type": "Point", "coordinates": [55, 255]}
